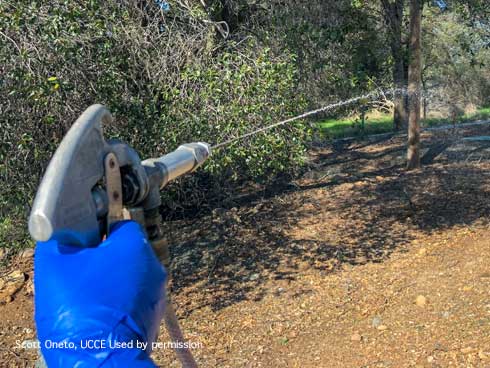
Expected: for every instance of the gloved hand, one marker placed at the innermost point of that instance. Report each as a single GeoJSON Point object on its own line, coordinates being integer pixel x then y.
{"type": "Point", "coordinates": [108, 295]}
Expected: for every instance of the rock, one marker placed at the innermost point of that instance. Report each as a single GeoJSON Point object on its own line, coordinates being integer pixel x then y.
{"type": "Point", "coordinates": [360, 184]}
{"type": "Point", "coordinates": [11, 284]}
{"type": "Point", "coordinates": [446, 314]}
{"type": "Point", "coordinates": [430, 359]}
{"type": "Point", "coordinates": [15, 276]}
{"type": "Point", "coordinates": [29, 288]}
{"type": "Point", "coordinates": [254, 277]}
{"type": "Point", "coordinates": [382, 328]}
{"type": "Point", "coordinates": [356, 337]}
{"type": "Point", "coordinates": [422, 252]}
{"type": "Point", "coordinates": [376, 322]}
{"type": "Point", "coordinates": [6, 299]}
{"type": "Point", "coordinates": [27, 253]}
{"type": "Point", "coordinates": [421, 301]}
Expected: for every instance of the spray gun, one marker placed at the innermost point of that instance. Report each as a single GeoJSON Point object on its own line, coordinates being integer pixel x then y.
{"type": "Point", "coordinates": [92, 183]}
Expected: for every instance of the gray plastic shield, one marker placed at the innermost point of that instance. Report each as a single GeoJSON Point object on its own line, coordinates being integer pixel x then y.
{"type": "Point", "coordinates": [64, 208]}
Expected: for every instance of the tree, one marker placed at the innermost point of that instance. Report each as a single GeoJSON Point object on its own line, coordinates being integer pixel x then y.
{"type": "Point", "coordinates": [393, 14]}
{"type": "Point", "coordinates": [414, 84]}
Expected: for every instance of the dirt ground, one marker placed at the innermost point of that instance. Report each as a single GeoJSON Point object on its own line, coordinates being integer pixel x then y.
{"type": "Point", "coordinates": [356, 264]}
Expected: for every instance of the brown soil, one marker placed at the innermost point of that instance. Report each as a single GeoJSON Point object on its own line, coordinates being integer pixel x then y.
{"type": "Point", "coordinates": [357, 264]}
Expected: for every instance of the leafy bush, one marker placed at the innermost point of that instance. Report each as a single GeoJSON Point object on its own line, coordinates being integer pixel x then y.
{"type": "Point", "coordinates": [168, 78]}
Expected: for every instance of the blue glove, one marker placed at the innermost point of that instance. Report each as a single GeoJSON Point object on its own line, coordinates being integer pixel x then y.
{"type": "Point", "coordinates": [91, 301]}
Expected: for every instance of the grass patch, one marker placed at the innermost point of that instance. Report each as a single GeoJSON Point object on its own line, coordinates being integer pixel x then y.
{"type": "Point", "coordinates": [481, 114]}
{"type": "Point", "coordinates": [383, 123]}
{"type": "Point", "coordinates": [351, 127]}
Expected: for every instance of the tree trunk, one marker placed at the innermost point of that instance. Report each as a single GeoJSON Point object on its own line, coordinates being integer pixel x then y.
{"type": "Point", "coordinates": [414, 84]}
{"type": "Point", "coordinates": [400, 117]}
{"type": "Point", "coordinates": [425, 101]}
{"type": "Point", "coordinates": [393, 11]}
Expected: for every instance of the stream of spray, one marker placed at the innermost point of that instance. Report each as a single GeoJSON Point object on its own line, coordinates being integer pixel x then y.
{"type": "Point", "coordinates": [370, 97]}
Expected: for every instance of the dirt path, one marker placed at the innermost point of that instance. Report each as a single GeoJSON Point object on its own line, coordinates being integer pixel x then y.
{"type": "Point", "coordinates": [365, 316]}
{"type": "Point", "coordinates": [357, 264]}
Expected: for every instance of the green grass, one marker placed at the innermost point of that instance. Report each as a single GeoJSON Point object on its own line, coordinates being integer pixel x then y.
{"type": "Point", "coordinates": [481, 114]}
{"type": "Point", "coordinates": [351, 127]}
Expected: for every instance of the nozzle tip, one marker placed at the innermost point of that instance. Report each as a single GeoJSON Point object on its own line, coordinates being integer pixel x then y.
{"type": "Point", "coordinates": [207, 148]}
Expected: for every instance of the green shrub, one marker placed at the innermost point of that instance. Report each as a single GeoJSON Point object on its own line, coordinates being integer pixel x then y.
{"type": "Point", "coordinates": [167, 78]}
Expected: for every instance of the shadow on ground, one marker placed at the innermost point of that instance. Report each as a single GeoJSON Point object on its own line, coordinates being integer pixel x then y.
{"type": "Point", "coordinates": [356, 205]}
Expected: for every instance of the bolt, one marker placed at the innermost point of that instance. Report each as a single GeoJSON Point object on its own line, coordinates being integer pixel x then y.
{"type": "Point", "coordinates": [112, 163]}
{"type": "Point", "coordinates": [115, 195]}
